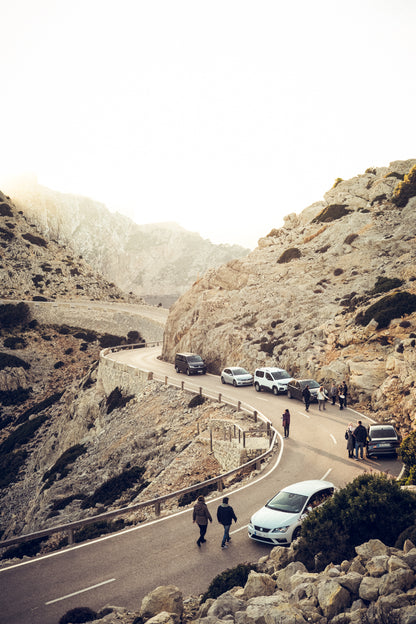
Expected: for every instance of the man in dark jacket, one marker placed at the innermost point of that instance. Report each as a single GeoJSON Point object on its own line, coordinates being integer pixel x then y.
{"type": "Point", "coordinates": [225, 516]}
{"type": "Point", "coordinates": [360, 436]}
{"type": "Point", "coordinates": [306, 397]}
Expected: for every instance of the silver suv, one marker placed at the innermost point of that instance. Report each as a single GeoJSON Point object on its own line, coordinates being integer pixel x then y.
{"type": "Point", "coordinates": [269, 378]}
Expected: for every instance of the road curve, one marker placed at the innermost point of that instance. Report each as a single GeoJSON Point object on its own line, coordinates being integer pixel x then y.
{"type": "Point", "coordinates": [120, 569]}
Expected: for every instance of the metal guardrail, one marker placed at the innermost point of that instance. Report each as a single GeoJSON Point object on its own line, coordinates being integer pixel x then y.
{"type": "Point", "coordinates": [70, 527]}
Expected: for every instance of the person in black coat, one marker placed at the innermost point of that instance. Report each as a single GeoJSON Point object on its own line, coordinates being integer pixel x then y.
{"type": "Point", "coordinates": [225, 516]}
{"type": "Point", "coordinates": [306, 397]}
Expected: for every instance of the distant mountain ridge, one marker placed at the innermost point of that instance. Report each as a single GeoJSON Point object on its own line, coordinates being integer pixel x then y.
{"type": "Point", "coordinates": [158, 262]}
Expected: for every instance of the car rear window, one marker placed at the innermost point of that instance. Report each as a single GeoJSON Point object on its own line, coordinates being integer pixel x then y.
{"type": "Point", "coordinates": [386, 432]}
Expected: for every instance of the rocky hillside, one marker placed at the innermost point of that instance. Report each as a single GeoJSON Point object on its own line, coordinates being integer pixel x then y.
{"type": "Point", "coordinates": [34, 267]}
{"type": "Point", "coordinates": [331, 295]}
{"type": "Point", "coordinates": [158, 262]}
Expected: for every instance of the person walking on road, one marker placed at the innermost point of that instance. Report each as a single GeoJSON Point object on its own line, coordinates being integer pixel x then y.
{"type": "Point", "coordinates": [341, 397]}
{"type": "Point", "coordinates": [306, 397]}
{"type": "Point", "coordinates": [360, 435]}
{"type": "Point", "coordinates": [286, 422]}
{"type": "Point", "coordinates": [345, 392]}
{"type": "Point", "coordinates": [225, 516]}
{"type": "Point", "coordinates": [201, 516]}
{"type": "Point", "coordinates": [333, 393]}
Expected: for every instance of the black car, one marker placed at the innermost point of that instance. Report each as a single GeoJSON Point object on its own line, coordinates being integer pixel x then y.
{"type": "Point", "coordinates": [296, 387]}
{"type": "Point", "coordinates": [382, 440]}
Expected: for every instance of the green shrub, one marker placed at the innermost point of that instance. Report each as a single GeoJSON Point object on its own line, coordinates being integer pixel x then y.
{"type": "Point", "coordinates": [232, 577]}
{"type": "Point", "coordinates": [331, 213]}
{"type": "Point", "coordinates": [14, 397]}
{"type": "Point", "coordinates": [109, 340]}
{"type": "Point", "coordinates": [407, 534]}
{"type": "Point", "coordinates": [21, 435]}
{"type": "Point", "coordinates": [11, 361]}
{"type": "Point", "coordinates": [407, 450]}
{"type": "Point", "coordinates": [115, 400]}
{"type": "Point", "coordinates": [14, 315]}
{"type": "Point", "coordinates": [112, 489]}
{"type": "Point", "coordinates": [39, 407]}
{"type": "Point", "coordinates": [10, 465]}
{"type": "Point", "coordinates": [5, 210]}
{"type": "Point", "coordinates": [6, 235]}
{"type": "Point", "coordinates": [360, 511]}
{"type": "Point", "coordinates": [196, 400]}
{"type": "Point", "coordinates": [388, 308]}
{"type": "Point", "coordinates": [385, 284]}
{"type": "Point", "coordinates": [25, 549]}
{"type": "Point", "coordinates": [79, 615]}
{"type": "Point", "coordinates": [405, 189]}
{"type": "Point", "coordinates": [62, 466]}
{"type": "Point", "coordinates": [134, 337]}
{"type": "Point", "coordinates": [61, 503]}
{"type": "Point", "coordinates": [337, 181]}
{"type": "Point", "coordinates": [35, 240]}
{"type": "Point", "coordinates": [290, 254]}
{"type": "Point", "coordinates": [14, 342]}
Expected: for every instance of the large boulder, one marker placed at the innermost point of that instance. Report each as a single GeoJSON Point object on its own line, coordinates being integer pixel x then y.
{"type": "Point", "coordinates": [258, 584]}
{"type": "Point", "coordinates": [164, 598]}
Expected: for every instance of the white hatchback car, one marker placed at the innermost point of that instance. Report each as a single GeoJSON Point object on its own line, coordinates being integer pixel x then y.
{"type": "Point", "coordinates": [278, 523]}
{"type": "Point", "coordinates": [236, 376]}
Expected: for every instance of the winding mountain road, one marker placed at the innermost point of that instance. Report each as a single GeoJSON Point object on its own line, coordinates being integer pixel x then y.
{"type": "Point", "coordinates": [120, 569]}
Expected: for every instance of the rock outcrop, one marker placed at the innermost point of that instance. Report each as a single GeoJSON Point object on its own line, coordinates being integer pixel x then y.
{"type": "Point", "coordinates": [157, 262]}
{"type": "Point", "coordinates": [378, 586]}
{"type": "Point", "coordinates": [299, 301]}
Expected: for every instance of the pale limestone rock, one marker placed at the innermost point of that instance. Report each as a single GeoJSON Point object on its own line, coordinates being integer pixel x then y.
{"type": "Point", "coordinates": [284, 614]}
{"type": "Point", "coordinates": [258, 584]}
{"type": "Point", "coordinates": [225, 605]}
{"type": "Point", "coordinates": [377, 566]}
{"type": "Point", "coordinates": [401, 579]}
{"type": "Point", "coordinates": [350, 581]}
{"type": "Point", "coordinates": [332, 597]}
{"type": "Point", "coordinates": [164, 618]}
{"type": "Point", "coordinates": [283, 577]}
{"type": "Point", "coordinates": [369, 588]}
{"type": "Point", "coordinates": [372, 548]}
{"type": "Point", "coordinates": [163, 598]}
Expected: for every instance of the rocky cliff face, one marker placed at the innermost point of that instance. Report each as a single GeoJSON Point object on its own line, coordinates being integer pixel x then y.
{"type": "Point", "coordinates": [302, 300]}
{"type": "Point", "coordinates": [158, 262]}
{"type": "Point", "coordinates": [33, 266]}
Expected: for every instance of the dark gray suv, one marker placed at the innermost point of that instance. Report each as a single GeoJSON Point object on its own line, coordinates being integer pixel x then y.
{"type": "Point", "coordinates": [190, 363]}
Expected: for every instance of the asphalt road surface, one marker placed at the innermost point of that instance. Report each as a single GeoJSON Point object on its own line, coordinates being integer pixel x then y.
{"type": "Point", "coordinates": [121, 569]}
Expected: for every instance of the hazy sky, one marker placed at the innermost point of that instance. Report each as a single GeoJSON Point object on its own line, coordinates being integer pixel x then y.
{"type": "Point", "coordinates": [223, 116]}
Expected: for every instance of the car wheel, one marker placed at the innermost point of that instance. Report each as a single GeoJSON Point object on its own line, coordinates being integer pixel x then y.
{"type": "Point", "coordinates": [257, 387]}
{"type": "Point", "coordinates": [289, 394]}
{"type": "Point", "coordinates": [234, 383]}
{"type": "Point", "coordinates": [222, 380]}
{"type": "Point", "coordinates": [275, 391]}
{"type": "Point", "coordinates": [296, 534]}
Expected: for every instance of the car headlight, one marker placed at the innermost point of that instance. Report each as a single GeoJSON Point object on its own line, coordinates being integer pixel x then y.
{"type": "Point", "coordinates": [282, 529]}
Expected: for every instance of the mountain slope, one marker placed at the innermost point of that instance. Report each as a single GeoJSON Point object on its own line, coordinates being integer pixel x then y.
{"type": "Point", "coordinates": [158, 262]}
{"type": "Point", "coordinates": [299, 299]}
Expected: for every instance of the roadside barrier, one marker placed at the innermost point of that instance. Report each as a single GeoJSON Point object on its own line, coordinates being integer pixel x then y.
{"type": "Point", "coordinates": [156, 503]}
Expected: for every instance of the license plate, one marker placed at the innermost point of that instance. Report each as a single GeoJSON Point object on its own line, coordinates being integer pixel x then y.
{"type": "Point", "coordinates": [383, 445]}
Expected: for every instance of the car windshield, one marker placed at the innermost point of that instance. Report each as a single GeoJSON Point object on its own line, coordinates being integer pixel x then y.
{"type": "Point", "coordinates": [386, 432]}
{"type": "Point", "coordinates": [281, 375]}
{"type": "Point", "coordinates": [287, 501]}
{"type": "Point", "coordinates": [239, 371]}
{"type": "Point", "coordinates": [309, 382]}
{"type": "Point", "coordinates": [194, 358]}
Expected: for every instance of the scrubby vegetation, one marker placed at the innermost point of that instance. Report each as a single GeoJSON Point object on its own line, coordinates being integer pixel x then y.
{"type": "Point", "coordinates": [228, 579]}
{"type": "Point", "coordinates": [360, 511]}
{"type": "Point", "coordinates": [407, 454]}
{"type": "Point", "coordinates": [14, 397]}
{"type": "Point", "coordinates": [405, 189]}
{"type": "Point", "coordinates": [35, 240]}
{"type": "Point", "coordinates": [331, 213]}
{"type": "Point", "coordinates": [388, 308]}
{"type": "Point", "coordinates": [14, 315]}
{"type": "Point", "coordinates": [196, 400]}
{"type": "Point", "coordinates": [289, 254]}
{"type": "Point", "coordinates": [39, 407]}
{"type": "Point", "coordinates": [385, 284]}
{"type": "Point", "coordinates": [115, 400]}
{"type": "Point", "coordinates": [112, 489]}
{"type": "Point", "coordinates": [79, 615]}
{"type": "Point", "coordinates": [62, 466]}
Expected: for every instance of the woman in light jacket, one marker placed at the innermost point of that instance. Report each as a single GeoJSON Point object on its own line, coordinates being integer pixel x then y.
{"type": "Point", "coordinates": [201, 516]}
{"type": "Point", "coordinates": [321, 395]}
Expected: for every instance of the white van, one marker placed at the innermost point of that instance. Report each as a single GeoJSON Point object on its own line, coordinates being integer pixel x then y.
{"type": "Point", "coordinates": [273, 379]}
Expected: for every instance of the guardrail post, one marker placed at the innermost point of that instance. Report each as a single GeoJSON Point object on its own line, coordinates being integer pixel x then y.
{"type": "Point", "coordinates": [244, 439]}
{"type": "Point", "coordinates": [200, 391]}
{"type": "Point", "coordinates": [238, 406]}
{"type": "Point", "coordinates": [230, 434]}
{"type": "Point", "coordinates": [70, 536]}
{"type": "Point", "coordinates": [268, 429]}
{"type": "Point", "coordinates": [157, 508]}
{"type": "Point", "coordinates": [182, 385]}
{"type": "Point", "coordinates": [150, 375]}
{"type": "Point", "coordinates": [210, 440]}
{"type": "Point", "coordinates": [258, 465]}
{"type": "Point", "coordinates": [220, 485]}
{"type": "Point", "coordinates": [166, 380]}
{"type": "Point", "coordinates": [239, 436]}
{"type": "Point", "coordinates": [255, 415]}
{"type": "Point", "coordinates": [219, 398]}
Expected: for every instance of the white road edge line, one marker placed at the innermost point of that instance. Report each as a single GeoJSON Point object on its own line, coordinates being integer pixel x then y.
{"type": "Point", "coordinates": [326, 474]}
{"type": "Point", "coordinates": [81, 591]}
{"type": "Point", "coordinates": [333, 438]}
